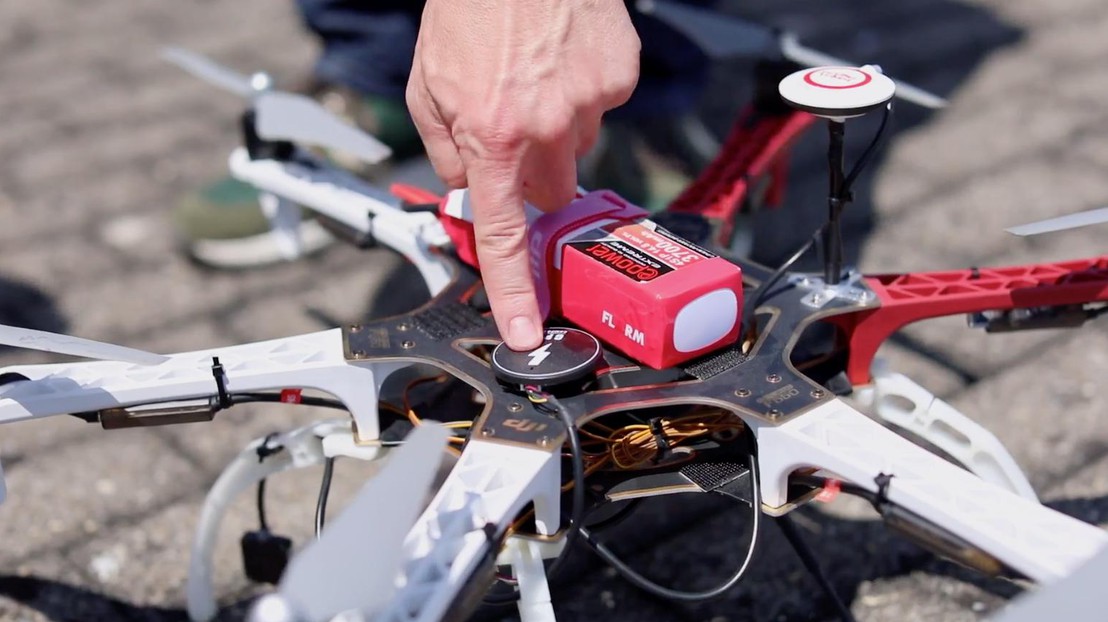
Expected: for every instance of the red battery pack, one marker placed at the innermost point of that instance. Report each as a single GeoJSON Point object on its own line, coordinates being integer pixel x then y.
{"type": "Point", "coordinates": [602, 265]}
{"type": "Point", "coordinates": [650, 294]}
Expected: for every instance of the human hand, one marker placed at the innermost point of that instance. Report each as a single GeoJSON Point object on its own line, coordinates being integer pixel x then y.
{"type": "Point", "coordinates": [507, 94]}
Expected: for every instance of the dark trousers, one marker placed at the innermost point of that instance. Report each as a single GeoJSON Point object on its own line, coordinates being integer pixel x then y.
{"type": "Point", "coordinates": [368, 46]}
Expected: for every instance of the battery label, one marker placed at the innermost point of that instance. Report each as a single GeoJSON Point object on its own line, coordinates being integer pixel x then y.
{"type": "Point", "coordinates": [622, 258]}
{"type": "Point", "coordinates": [658, 244]}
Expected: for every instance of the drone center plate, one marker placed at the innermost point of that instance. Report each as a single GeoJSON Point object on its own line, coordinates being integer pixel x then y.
{"type": "Point", "coordinates": [837, 92]}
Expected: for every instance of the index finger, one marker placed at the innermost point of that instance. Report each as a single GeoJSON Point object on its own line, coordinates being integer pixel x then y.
{"type": "Point", "coordinates": [500, 228]}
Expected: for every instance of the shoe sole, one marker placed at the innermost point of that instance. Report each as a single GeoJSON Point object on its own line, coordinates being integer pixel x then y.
{"type": "Point", "coordinates": [258, 250]}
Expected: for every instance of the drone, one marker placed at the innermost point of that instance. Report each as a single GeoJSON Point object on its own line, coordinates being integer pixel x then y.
{"type": "Point", "coordinates": [750, 406]}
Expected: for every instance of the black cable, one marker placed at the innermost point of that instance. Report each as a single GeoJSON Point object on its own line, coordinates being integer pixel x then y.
{"type": "Point", "coordinates": [264, 450]}
{"type": "Point", "coordinates": [667, 593]}
{"type": "Point", "coordinates": [620, 515]}
{"type": "Point", "coordinates": [577, 513]}
{"type": "Point", "coordinates": [262, 523]}
{"type": "Point", "coordinates": [804, 552]}
{"type": "Point", "coordinates": [551, 406]}
{"type": "Point", "coordinates": [324, 490]}
{"type": "Point", "coordinates": [870, 149]}
{"type": "Point", "coordinates": [760, 293]}
{"type": "Point", "coordinates": [251, 397]}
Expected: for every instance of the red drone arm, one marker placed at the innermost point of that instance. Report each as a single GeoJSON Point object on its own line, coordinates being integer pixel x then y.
{"type": "Point", "coordinates": [756, 148]}
{"type": "Point", "coordinates": [907, 298]}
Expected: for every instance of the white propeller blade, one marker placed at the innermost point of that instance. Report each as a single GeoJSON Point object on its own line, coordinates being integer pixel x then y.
{"type": "Point", "coordinates": [209, 71]}
{"type": "Point", "coordinates": [725, 36]}
{"type": "Point", "coordinates": [355, 562]}
{"type": "Point", "coordinates": [284, 116]}
{"type": "Point", "coordinates": [75, 346]}
{"type": "Point", "coordinates": [1073, 221]}
{"type": "Point", "coordinates": [296, 118]}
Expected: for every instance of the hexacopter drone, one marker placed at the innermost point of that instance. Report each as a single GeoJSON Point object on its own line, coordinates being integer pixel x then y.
{"type": "Point", "coordinates": [693, 373]}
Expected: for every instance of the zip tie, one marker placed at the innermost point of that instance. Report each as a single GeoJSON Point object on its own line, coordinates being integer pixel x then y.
{"type": "Point", "coordinates": [264, 450]}
{"type": "Point", "coordinates": [659, 438]}
{"type": "Point", "coordinates": [220, 384]}
{"type": "Point", "coordinates": [882, 480]}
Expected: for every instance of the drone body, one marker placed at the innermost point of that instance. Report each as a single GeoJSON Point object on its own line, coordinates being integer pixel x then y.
{"type": "Point", "coordinates": [785, 404]}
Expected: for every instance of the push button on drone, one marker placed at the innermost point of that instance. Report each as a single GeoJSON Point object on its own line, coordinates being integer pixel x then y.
{"type": "Point", "coordinates": [566, 354]}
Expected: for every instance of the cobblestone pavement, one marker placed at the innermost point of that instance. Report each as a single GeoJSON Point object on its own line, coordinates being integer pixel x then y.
{"type": "Point", "coordinates": [98, 138]}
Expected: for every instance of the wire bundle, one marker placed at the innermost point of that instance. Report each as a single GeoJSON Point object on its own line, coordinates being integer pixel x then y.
{"type": "Point", "coordinates": [638, 445]}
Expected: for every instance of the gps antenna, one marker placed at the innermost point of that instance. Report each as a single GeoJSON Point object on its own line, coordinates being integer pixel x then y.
{"type": "Point", "coordinates": [836, 94]}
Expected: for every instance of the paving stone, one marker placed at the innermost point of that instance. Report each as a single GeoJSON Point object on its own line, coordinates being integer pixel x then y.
{"type": "Point", "coordinates": [58, 498]}
{"type": "Point", "coordinates": [1048, 409]}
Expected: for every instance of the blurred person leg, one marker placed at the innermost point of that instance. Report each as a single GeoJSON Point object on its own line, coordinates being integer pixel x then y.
{"type": "Point", "coordinates": [365, 57]}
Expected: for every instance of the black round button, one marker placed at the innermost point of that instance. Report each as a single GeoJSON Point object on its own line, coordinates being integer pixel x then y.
{"type": "Point", "coordinates": [566, 354]}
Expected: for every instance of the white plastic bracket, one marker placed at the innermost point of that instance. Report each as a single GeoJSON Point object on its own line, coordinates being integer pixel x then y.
{"type": "Point", "coordinates": [490, 484]}
{"type": "Point", "coordinates": [284, 221]}
{"type": "Point", "coordinates": [899, 401]}
{"type": "Point", "coordinates": [534, 590]}
{"type": "Point", "coordinates": [302, 447]}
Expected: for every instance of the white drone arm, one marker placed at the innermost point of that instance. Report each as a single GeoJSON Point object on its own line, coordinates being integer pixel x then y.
{"type": "Point", "coordinates": [1032, 539]}
{"type": "Point", "coordinates": [342, 197]}
{"type": "Point", "coordinates": [312, 361]}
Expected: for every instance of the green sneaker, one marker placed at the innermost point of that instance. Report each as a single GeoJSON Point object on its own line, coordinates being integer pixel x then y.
{"type": "Point", "coordinates": [222, 225]}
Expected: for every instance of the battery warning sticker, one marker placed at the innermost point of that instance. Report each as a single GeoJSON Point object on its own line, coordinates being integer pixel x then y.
{"type": "Point", "coordinates": [659, 244]}
{"type": "Point", "coordinates": [623, 258]}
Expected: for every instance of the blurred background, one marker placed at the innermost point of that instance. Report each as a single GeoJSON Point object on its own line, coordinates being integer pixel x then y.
{"type": "Point", "coordinates": [100, 139]}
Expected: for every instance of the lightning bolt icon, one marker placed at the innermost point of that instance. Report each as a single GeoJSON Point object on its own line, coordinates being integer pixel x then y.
{"type": "Point", "coordinates": [538, 355]}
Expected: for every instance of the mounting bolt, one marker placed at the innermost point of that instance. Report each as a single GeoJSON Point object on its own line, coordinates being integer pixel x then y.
{"type": "Point", "coordinates": [355, 328]}
{"type": "Point", "coordinates": [818, 393]}
{"type": "Point", "coordinates": [515, 407]}
{"type": "Point", "coordinates": [742, 393]}
{"type": "Point", "coordinates": [488, 431]}
{"type": "Point", "coordinates": [403, 327]}
{"type": "Point", "coordinates": [544, 441]}
{"type": "Point", "coordinates": [773, 378]}
{"type": "Point", "coordinates": [773, 413]}
{"type": "Point", "coordinates": [407, 344]}
{"type": "Point", "coordinates": [359, 354]}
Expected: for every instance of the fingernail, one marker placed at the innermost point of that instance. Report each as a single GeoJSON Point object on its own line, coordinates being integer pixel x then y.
{"type": "Point", "coordinates": [523, 333]}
